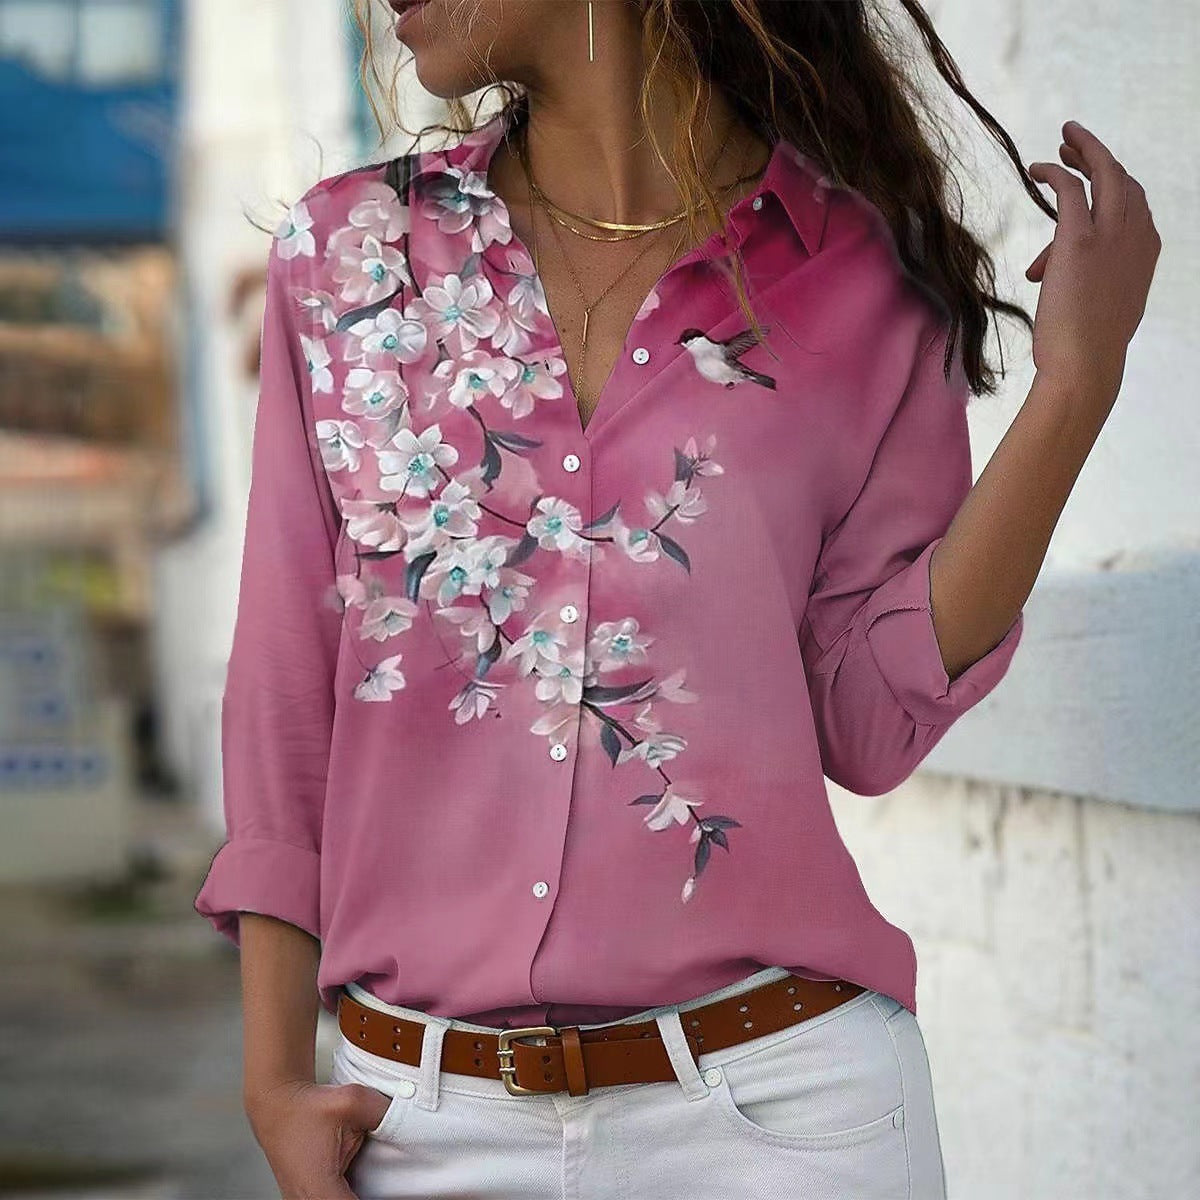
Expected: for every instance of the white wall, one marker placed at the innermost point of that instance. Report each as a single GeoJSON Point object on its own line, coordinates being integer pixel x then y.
{"type": "Point", "coordinates": [1059, 959]}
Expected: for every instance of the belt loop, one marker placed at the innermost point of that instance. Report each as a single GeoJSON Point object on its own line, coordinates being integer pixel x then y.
{"type": "Point", "coordinates": [670, 1028]}
{"type": "Point", "coordinates": [428, 1090]}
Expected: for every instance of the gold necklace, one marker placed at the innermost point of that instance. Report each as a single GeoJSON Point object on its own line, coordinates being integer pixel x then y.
{"type": "Point", "coordinates": [587, 307]}
{"type": "Point", "coordinates": [561, 214]}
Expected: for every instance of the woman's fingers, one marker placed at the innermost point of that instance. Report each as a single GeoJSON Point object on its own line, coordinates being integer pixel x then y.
{"type": "Point", "coordinates": [1106, 174]}
{"type": "Point", "coordinates": [1037, 268]}
{"type": "Point", "coordinates": [1073, 211]}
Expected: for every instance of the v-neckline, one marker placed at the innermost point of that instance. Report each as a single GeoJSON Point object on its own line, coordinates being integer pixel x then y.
{"type": "Point", "coordinates": [600, 412]}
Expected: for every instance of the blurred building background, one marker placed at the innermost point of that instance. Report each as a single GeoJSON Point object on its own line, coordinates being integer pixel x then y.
{"type": "Point", "coordinates": [1044, 859]}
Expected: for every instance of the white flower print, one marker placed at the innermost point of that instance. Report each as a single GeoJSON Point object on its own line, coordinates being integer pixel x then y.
{"type": "Point", "coordinates": [557, 525]}
{"type": "Point", "coordinates": [453, 513]}
{"type": "Point", "coordinates": [316, 355]}
{"type": "Point", "coordinates": [461, 200]}
{"type": "Point", "coordinates": [382, 340]}
{"type": "Point", "coordinates": [320, 307]}
{"type": "Point", "coordinates": [412, 467]}
{"type": "Point", "coordinates": [562, 681]}
{"type": "Point", "coordinates": [475, 375]}
{"type": "Point", "coordinates": [672, 809]}
{"type": "Point", "coordinates": [386, 616]}
{"type": "Point", "coordinates": [509, 595]}
{"type": "Point", "coordinates": [369, 272]}
{"type": "Point", "coordinates": [373, 524]}
{"type": "Point", "coordinates": [294, 233]}
{"type": "Point", "coordinates": [455, 306]}
{"type": "Point", "coordinates": [381, 681]}
{"type": "Point", "coordinates": [380, 212]}
{"type": "Point", "coordinates": [373, 394]}
{"type": "Point", "coordinates": [637, 541]}
{"type": "Point", "coordinates": [616, 644]}
{"type": "Point", "coordinates": [473, 622]}
{"type": "Point", "coordinates": [683, 502]}
{"type": "Point", "coordinates": [341, 445]}
{"type": "Point", "coordinates": [473, 700]}
{"type": "Point", "coordinates": [656, 748]}
{"type": "Point", "coordinates": [539, 648]}
{"type": "Point", "coordinates": [497, 356]}
{"type": "Point", "coordinates": [700, 462]}
{"type": "Point", "coordinates": [465, 567]}
{"type": "Point", "coordinates": [534, 380]}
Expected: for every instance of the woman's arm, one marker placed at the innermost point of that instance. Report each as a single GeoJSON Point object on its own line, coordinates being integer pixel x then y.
{"type": "Point", "coordinates": [1095, 275]}
{"type": "Point", "coordinates": [279, 1005]}
{"type": "Point", "coordinates": [309, 1132]}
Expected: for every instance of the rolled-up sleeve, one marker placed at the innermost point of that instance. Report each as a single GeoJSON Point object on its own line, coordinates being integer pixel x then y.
{"type": "Point", "coordinates": [881, 695]}
{"type": "Point", "coordinates": [278, 700]}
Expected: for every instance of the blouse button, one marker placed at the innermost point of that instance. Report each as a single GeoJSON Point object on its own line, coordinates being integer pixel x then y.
{"type": "Point", "coordinates": [570, 462]}
{"type": "Point", "coordinates": [756, 203]}
{"type": "Point", "coordinates": [641, 355]}
{"type": "Point", "coordinates": [569, 613]}
{"type": "Point", "coordinates": [540, 888]}
{"type": "Point", "coordinates": [558, 751]}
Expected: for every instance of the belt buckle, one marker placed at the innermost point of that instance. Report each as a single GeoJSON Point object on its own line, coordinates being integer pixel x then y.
{"type": "Point", "coordinates": [508, 1067]}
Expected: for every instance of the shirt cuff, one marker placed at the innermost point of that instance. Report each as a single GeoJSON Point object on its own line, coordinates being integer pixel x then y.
{"type": "Point", "coordinates": [900, 633]}
{"type": "Point", "coordinates": [263, 876]}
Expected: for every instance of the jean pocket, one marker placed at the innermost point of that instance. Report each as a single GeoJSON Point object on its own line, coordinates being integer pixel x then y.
{"type": "Point", "coordinates": [832, 1081]}
{"type": "Point", "coordinates": [351, 1065]}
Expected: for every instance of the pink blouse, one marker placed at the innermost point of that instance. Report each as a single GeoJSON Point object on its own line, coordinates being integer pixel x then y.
{"type": "Point", "coordinates": [527, 720]}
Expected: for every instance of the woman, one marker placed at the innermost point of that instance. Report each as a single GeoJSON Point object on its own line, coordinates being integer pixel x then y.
{"type": "Point", "coordinates": [611, 487]}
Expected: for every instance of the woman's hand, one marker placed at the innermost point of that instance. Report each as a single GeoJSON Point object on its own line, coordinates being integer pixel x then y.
{"type": "Point", "coordinates": [309, 1132]}
{"type": "Point", "coordinates": [1095, 273]}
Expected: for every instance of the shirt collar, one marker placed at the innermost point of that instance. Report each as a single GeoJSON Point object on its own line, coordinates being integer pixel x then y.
{"type": "Point", "coordinates": [794, 178]}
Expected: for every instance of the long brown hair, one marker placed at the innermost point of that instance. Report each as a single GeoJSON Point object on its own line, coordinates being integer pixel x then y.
{"type": "Point", "coordinates": [833, 78]}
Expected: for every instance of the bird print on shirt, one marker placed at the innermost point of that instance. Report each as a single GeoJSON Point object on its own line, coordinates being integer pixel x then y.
{"type": "Point", "coordinates": [718, 361]}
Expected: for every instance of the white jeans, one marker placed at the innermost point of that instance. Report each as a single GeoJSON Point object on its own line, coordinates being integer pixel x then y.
{"type": "Point", "coordinates": [836, 1107]}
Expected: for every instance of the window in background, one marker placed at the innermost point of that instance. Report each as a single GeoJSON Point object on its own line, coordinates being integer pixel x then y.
{"type": "Point", "coordinates": [105, 43]}
{"type": "Point", "coordinates": [120, 41]}
{"type": "Point", "coordinates": [41, 33]}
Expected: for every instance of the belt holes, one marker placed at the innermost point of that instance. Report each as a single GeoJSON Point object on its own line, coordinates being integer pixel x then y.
{"type": "Point", "coordinates": [546, 1059]}
{"type": "Point", "coordinates": [791, 991]}
{"type": "Point", "coordinates": [362, 1019]}
{"type": "Point", "coordinates": [695, 1024]}
{"type": "Point", "coordinates": [397, 1029]}
{"type": "Point", "coordinates": [647, 1033]}
{"type": "Point", "coordinates": [548, 1077]}
{"type": "Point", "coordinates": [743, 1008]}
{"type": "Point", "coordinates": [478, 1045]}
{"type": "Point", "coordinates": [837, 987]}
{"type": "Point", "coordinates": [362, 1035]}
{"type": "Point", "coordinates": [747, 1024]}
{"type": "Point", "coordinates": [797, 1007]}
{"type": "Point", "coordinates": [395, 1045]}
{"type": "Point", "coordinates": [479, 1062]}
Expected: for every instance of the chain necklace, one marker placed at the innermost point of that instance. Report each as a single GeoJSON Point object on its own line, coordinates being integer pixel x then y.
{"type": "Point", "coordinates": [561, 214]}
{"type": "Point", "coordinates": [587, 307]}
{"type": "Point", "coordinates": [537, 199]}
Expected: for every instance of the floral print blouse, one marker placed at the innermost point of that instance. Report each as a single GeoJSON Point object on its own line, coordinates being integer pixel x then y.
{"type": "Point", "coordinates": [529, 721]}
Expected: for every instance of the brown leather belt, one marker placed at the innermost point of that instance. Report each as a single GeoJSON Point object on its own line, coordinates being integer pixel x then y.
{"type": "Point", "coordinates": [576, 1060]}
